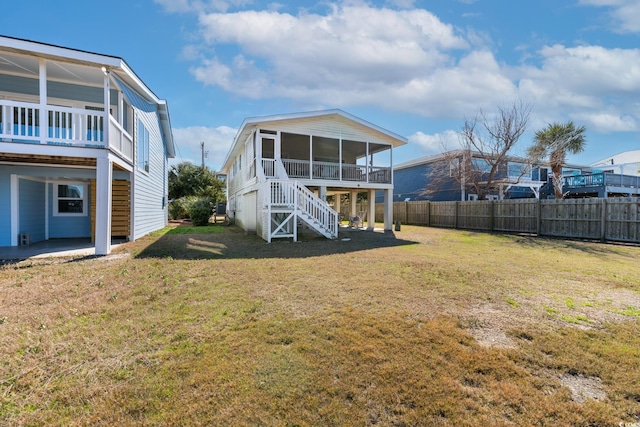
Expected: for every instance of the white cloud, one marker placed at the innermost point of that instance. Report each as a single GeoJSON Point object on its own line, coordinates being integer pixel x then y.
{"type": "Point", "coordinates": [591, 83]}
{"type": "Point", "coordinates": [437, 143]}
{"type": "Point", "coordinates": [607, 122]}
{"type": "Point", "coordinates": [217, 142]}
{"type": "Point", "coordinates": [625, 14]}
{"type": "Point", "coordinates": [404, 60]}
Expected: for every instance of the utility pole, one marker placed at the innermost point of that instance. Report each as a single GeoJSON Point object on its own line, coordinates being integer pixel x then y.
{"type": "Point", "coordinates": [204, 153]}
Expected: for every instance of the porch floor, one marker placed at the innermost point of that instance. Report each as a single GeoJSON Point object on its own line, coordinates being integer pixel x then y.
{"type": "Point", "coordinates": [51, 248]}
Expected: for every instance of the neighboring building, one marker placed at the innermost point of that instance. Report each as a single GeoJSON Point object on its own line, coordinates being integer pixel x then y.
{"type": "Point", "coordinates": [615, 176]}
{"type": "Point", "coordinates": [280, 170]}
{"type": "Point", "coordinates": [625, 163]}
{"type": "Point", "coordinates": [441, 177]}
{"type": "Point", "coordinates": [84, 145]}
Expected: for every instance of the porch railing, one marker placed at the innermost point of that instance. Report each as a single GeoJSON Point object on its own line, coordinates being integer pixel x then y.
{"type": "Point", "coordinates": [304, 169]}
{"type": "Point", "coordinates": [269, 167]}
{"type": "Point", "coordinates": [21, 122]}
{"type": "Point", "coordinates": [601, 179]}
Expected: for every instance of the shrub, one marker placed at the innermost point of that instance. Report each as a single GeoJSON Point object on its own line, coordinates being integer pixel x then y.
{"type": "Point", "coordinates": [200, 211]}
{"type": "Point", "coordinates": [178, 209]}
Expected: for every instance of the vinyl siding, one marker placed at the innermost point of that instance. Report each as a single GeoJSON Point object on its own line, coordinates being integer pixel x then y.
{"type": "Point", "coordinates": [31, 210]}
{"type": "Point", "coordinates": [5, 207]}
{"type": "Point", "coordinates": [149, 188]}
{"type": "Point", "coordinates": [70, 226]}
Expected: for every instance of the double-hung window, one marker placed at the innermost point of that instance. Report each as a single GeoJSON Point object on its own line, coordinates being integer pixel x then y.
{"type": "Point", "coordinates": [70, 199]}
{"type": "Point", "coordinates": [143, 147]}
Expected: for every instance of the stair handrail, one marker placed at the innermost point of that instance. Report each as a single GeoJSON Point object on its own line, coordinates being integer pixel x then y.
{"type": "Point", "coordinates": [293, 193]}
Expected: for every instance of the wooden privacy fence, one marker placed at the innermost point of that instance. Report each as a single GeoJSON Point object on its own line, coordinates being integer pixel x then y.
{"type": "Point", "coordinates": [613, 219]}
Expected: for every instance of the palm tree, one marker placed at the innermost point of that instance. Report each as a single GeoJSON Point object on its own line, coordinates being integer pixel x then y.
{"type": "Point", "coordinates": [554, 142]}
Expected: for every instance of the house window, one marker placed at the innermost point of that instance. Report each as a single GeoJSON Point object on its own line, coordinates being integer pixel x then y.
{"type": "Point", "coordinates": [70, 200]}
{"type": "Point", "coordinates": [481, 165]}
{"type": "Point", "coordinates": [519, 170]}
{"type": "Point", "coordinates": [143, 147]}
{"type": "Point", "coordinates": [454, 167]}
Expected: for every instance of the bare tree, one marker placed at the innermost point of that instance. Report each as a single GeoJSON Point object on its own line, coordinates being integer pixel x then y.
{"type": "Point", "coordinates": [486, 143]}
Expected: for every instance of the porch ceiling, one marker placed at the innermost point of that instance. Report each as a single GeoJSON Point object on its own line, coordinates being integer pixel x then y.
{"type": "Point", "coordinates": [17, 64]}
{"type": "Point", "coordinates": [51, 160]}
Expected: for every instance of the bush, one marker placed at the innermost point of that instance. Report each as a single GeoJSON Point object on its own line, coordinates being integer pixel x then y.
{"type": "Point", "coordinates": [200, 211]}
{"type": "Point", "coordinates": [178, 209]}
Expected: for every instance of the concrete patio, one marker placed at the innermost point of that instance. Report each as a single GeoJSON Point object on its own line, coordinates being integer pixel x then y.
{"type": "Point", "coordinates": [51, 248]}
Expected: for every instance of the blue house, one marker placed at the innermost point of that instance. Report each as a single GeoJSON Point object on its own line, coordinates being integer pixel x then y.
{"type": "Point", "coordinates": [463, 175]}
{"type": "Point", "coordinates": [84, 146]}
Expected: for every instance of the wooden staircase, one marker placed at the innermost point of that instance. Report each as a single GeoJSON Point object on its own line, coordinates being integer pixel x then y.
{"type": "Point", "coordinates": [287, 202]}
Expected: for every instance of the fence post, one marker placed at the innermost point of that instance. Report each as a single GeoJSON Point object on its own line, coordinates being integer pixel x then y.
{"type": "Point", "coordinates": [603, 221]}
{"type": "Point", "coordinates": [456, 214]}
{"type": "Point", "coordinates": [539, 217]}
{"type": "Point", "coordinates": [428, 213]}
{"type": "Point", "coordinates": [491, 215]}
{"type": "Point", "coordinates": [406, 212]}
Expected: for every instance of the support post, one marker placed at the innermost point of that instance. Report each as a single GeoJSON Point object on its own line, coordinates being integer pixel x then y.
{"type": "Point", "coordinates": [353, 200]}
{"type": "Point", "coordinates": [42, 88]}
{"type": "Point", "coordinates": [603, 221]}
{"type": "Point", "coordinates": [103, 205]}
{"type": "Point", "coordinates": [371, 217]}
{"type": "Point", "coordinates": [388, 209]}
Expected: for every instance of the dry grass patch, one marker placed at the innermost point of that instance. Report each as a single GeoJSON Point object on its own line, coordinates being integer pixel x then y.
{"type": "Point", "coordinates": [424, 327]}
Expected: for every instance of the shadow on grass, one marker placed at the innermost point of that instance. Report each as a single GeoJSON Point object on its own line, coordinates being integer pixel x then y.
{"type": "Point", "coordinates": [232, 243]}
{"type": "Point", "coordinates": [592, 247]}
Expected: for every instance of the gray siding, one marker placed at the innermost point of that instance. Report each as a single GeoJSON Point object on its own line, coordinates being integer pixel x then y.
{"type": "Point", "coordinates": [149, 188]}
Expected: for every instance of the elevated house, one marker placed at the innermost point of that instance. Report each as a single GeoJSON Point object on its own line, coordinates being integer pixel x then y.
{"type": "Point", "coordinates": [84, 146]}
{"type": "Point", "coordinates": [281, 169]}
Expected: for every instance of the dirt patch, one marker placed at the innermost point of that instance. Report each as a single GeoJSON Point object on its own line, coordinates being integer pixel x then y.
{"type": "Point", "coordinates": [583, 388]}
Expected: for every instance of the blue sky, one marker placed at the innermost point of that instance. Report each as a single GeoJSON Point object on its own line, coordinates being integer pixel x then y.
{"type": "Point", "coordinates": [417, 68]}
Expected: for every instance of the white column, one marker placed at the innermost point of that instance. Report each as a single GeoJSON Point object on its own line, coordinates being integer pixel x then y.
{"type": "Point", "coordinates": [322, 193]}
{"type": "Point", "coordinates": [107, 105]}
{"type": "Point", "coordinates": [103, 206]}
{"type": "Point", "coordinates": [388, 209]}
{"type": "Point", "coordinates": [44, 117]}
{"type": "Point", "coordinates": [371, 216]}
{"type": "Point", "coordinates": [353, 200]}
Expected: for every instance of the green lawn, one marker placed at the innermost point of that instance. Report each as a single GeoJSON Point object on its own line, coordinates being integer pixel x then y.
{"type": "Point", "coordinates": [419, 327]}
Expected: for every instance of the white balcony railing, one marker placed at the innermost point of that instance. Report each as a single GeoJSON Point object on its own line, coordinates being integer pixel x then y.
{"type": "Point", "coordinates": [304, 169]}
{"type": "Point", "coordinates": [21, 122]}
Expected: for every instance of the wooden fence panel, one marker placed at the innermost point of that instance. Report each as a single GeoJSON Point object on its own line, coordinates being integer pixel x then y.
{"type": "Point", "coordinates": [517, 216]}
{"type": "Point", "coordinates": [417, 212]}
{"type": "Point", "coordinates": [573, 218]}
{"type": "Point", "coordinates": [622, 220]}
{"type": "Point", "coordinates": [443, 214]}
{"type": "Point", "coordinates": [475, 215]}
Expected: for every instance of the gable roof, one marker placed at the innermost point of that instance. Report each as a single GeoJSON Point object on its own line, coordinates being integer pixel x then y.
{"type": "Point", "coordinates": [251, 123]}
{"type": "Point", "coordinates": [108, 63]}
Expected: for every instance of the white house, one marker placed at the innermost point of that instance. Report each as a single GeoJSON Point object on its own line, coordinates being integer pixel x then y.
{"type": "Point", "coordinates": [625, 163]}
{"type": "Point", "coordinates": [280, 170]}
{"type": "Point", "coordinates": [84, 146]}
